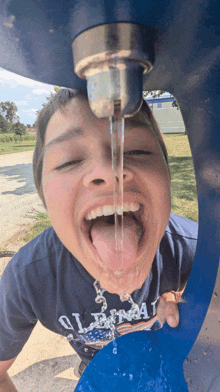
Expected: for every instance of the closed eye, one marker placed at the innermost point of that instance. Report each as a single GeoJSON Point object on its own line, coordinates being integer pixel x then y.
{"type": "Point", "coordinates": [138, 152]}
{"type": "Point", "coordinates": [67, 164]}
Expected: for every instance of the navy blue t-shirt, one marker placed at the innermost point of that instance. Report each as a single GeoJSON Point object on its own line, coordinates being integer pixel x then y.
{"type": "Point", "coordinates": [45, 282]}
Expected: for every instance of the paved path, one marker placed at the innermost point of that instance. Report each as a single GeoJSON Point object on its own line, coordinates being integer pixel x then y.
{"type": "Point", "coordinates": [19, 199]}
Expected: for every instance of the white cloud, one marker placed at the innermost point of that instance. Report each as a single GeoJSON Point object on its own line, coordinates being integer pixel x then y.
{"type": "Point", "coordinates": [32, 115]}
{"type": "Point", "coordinates": [22, 103]}
{"type": "Point", "coordinates": [29, 110]}
{"type": "Point", "coordinates": [15, 80]}
{"type": "Point", "coordinates": [40, 91]}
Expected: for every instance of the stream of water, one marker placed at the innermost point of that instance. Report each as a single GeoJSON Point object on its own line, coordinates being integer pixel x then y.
{"type": "Point", "coordinates": [117, 146]}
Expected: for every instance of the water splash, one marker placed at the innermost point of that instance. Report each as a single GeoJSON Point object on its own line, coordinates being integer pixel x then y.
{"type": "Point", "coordinates": [110, 322]}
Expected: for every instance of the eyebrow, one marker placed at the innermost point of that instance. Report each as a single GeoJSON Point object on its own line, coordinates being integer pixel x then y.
{"type": "Point", "coordinates": [74, 132]}
{"type": "Point", "coordinates": [67, 135]}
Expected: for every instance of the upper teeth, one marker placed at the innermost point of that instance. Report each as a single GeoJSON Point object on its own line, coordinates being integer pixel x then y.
{"type": "Point", "coordinates": [109, 210]}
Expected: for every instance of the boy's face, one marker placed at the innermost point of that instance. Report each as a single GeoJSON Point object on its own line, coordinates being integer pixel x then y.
{"type": "Point", "coordinates": [77, 179]}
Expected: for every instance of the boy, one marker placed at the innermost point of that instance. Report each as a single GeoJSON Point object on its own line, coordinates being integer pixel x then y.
{"type": "Point", "coordinates": [52, 278]}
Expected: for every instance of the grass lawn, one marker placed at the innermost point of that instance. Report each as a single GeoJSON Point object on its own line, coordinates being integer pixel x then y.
{"type": "Point", "coordinates": [9, 148]}
{"type": "Point", "coordinates": [42, 222]}
{"type": "Point", "coordinates": [183, 184]}
{"type": "Point", "coordinates": [16, 144]}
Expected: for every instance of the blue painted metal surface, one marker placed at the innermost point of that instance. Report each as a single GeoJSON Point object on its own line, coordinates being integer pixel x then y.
{"type": "Point", "coordinates": [186, 34]}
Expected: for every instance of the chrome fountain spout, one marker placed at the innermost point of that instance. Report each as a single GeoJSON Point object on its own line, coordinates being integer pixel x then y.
{"type": "Point", "coordinates": [113, 59]}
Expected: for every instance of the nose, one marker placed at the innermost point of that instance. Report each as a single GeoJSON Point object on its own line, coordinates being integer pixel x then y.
{"type": "Point", "coordinates": [101, 177]}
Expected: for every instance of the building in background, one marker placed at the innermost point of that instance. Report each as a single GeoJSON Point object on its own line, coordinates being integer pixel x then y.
{"type": "Point", "coordinates": [168, 117]}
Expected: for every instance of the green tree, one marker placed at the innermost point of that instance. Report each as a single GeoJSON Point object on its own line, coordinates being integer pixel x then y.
{"type": "Point", "coordinates": [3, 125]}
{"type": "Point", "coordinates": [56, 89]}
{"type": "Point", "coordinates": [157, 94]}
{"type": "Point", "coordinates": [8, 110]}
{"type": "Point", "coordinates": [18, 128]}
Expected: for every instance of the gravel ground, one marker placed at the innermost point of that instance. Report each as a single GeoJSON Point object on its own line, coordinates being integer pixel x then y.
{"type": "Point", "coordinates": [19, 200]}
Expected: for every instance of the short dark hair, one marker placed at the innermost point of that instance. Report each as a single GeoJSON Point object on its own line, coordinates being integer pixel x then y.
{"type": "Point", "coordinates": [58, 102]}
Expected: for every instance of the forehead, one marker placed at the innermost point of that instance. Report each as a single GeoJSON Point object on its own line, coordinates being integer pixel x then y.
{"type": "Point", "coordinates": [77, 119]}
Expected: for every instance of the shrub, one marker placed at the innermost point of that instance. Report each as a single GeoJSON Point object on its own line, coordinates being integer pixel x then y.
{"type": "Point", "coordinates": [19, 129]}
{"type": "Point", "coordinates": [11, 137]}
{"type": "Point", "coordinates": [3, 125]}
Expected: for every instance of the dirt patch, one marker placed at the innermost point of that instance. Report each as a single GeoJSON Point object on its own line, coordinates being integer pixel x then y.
{"type": "Point", "coordinates": [13, 244]}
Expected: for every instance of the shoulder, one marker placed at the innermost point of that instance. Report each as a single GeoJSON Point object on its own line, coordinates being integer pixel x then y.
{"type": "Point", "coordinates": [43, 246]}
{"type": "Point", "coordinates": [182, 227]}
{"type": "Point", "coordinates": [39, 256]}
{"type": "Point", "coordinates": [176, 252]}
{"type": "Point", "coordinates": [180, 237]}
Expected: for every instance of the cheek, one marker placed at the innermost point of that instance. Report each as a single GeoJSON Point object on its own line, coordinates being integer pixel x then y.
{"type": "Point", "coordinates": [58, 195]}
{"type": "Point", "coordinates": [156, 186]}
{"type": "Point", "coordinates": [156, 175]}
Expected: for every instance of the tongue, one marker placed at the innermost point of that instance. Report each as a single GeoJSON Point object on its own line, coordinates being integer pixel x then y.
{"type": "Point", "coordinates": [103, 237]}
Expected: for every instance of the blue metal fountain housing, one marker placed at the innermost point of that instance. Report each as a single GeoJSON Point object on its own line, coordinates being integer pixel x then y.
{"type": "Point", "coordinates": [183, 42]}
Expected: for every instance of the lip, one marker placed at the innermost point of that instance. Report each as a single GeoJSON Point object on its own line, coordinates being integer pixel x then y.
{"type": "Point", "coordinates": [128, 198]}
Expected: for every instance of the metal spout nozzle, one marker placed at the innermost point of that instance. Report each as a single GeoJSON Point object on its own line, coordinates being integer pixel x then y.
{"type": "Point", "coordinates": [113, 59]}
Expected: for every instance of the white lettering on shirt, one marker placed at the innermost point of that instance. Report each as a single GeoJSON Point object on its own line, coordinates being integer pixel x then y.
{"type": "Point", "coordinates": [143, 312]}
{"type": "Point", "coordinates": [154, 306]}
{"type": "Point", "coordinates": [143, 315]}
{"type": "Point", "coordinates": [98, 316]}
{"type": "Point", "coordinates": [76, 315]}
{"type": "Point", "coordinates": [65, 322]}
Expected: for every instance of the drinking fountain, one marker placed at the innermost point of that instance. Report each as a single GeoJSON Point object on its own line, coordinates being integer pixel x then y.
{"type": "Point", "coordinates": [117, 49]}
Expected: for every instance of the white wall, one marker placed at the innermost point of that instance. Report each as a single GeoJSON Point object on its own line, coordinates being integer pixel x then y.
{"type": "Point", "coordinates": [169, 118]}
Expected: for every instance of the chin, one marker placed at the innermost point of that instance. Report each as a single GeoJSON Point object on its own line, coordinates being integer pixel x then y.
{"type": "Point", "coordinates": [123, 282]}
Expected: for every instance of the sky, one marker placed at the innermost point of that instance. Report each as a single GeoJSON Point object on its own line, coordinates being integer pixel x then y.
{"type": "Point", "coordinates": [27, 94]}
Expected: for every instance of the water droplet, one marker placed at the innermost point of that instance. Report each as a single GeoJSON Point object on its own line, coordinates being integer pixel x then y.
{"type": "Point", "coordinates": [130, 377]}
{"type": "Point", "coordinates": [117, 273]}
{"type": "Point", "coordinates": [110, 322]}
{"type": "Point", "coordinates": [115, 350]}
{"type": "Point", "coordinates": [124, 297]}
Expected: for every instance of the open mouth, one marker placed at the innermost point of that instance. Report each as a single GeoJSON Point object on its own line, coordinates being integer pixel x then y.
{"type": "Point", "coordinates": [136, 216]}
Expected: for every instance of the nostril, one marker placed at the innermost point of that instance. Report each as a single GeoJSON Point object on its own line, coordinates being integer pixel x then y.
{"type": "Point", "coordinates": [98, 181]}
